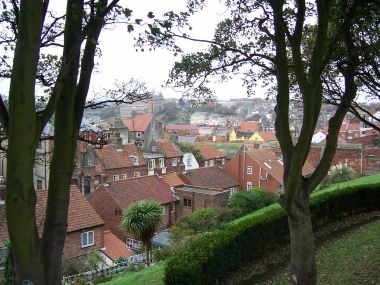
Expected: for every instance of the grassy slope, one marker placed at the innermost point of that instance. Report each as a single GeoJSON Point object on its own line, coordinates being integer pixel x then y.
{"type": "Point", "coordinates": [149, 276]}
{"type": "Point", "coordinates": [353, 259]}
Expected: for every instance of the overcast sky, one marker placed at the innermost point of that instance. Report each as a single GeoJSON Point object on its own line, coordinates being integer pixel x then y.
{"type": "Point", "coordinates": [120, 61]}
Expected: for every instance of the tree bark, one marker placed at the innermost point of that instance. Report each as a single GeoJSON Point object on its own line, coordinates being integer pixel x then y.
{"type": "Point", "coordinates": [22, 141]}
{"type": "Point", "coordinates": [148, 248]}
{"type": "Point", "coordinates": [302, 264]}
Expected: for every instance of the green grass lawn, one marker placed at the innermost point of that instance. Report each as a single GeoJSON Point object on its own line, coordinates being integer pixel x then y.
{"type": "Point", "coordinates": [149, 276]}
{"type": "Point", "coordinates": [353, 259]}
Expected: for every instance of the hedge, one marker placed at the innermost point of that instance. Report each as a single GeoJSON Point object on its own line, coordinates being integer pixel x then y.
{"type": "Point", "coordinates": [212, 256]}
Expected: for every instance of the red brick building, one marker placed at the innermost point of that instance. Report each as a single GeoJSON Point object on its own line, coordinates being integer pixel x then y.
{"type": "Point", "coordinates": [169, 157]}
{"type": "Point", "coordinates": [112, 162]}
{"type": "Point", "coordinates": [259, 168]}
{"type": "Point", "coordinates": [118, 195]}
{"type": "Point", "coordinates": [211, 156]}
{"type": "Point", "coordinates": [85, 227]}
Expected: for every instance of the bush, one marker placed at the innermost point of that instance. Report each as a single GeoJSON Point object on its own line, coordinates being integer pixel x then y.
{"type": "Point", "coordinates": [338, 173]}
{"type": "Point", "coordinates": [211, 256]}
{"type": "Point", "coordinates": [202, 220]}
{"type": "Point", "coordinates": [244, 203]}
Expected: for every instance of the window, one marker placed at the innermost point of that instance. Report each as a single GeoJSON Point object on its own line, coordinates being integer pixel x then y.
{"type": "Point", "coordinates": [140, 144]}
{"type": "Point", "coordinates": [152, 163]}
{"type": "Point", "coordinates": [249, 185]}
{"type": "Point", "coordinates": [138, 134]}
{"type": "Point", "coordinates": [174, 162]}
{"type": "Point", "coordinates": [74, 182]}
{"type": "Point", "coordinates": [153, 126]}
{"type": "Point", "coordinates": [39, 145]}
{"type": "Point", "coordinates": [172, 207]}
{"type": "Point", "coordinates": [87, 239]}
{"type": "Point", "coordinates": [135, 159]}
{"type": "Point", "coordinates": [232, 191]}
{"type": "Point", "coordinates": [187, 202]}
{"type": "Point", "coordinates": [189, 161]}
{"type": "Point", "coordinates": [154, 148]}
{"type": "Point", "coordinates": [136, 174]}
{"type": "Point", "coordinates": [124, 176]}
{"type": "Point", "coordinates": [87, 186]}
{"type": "Point", "coordinates": [211, 162]}
{"type": "Point", "coordinates": [249, 170]}
{"type": "Point", "coordinates": [115, 177]}
{"type": "Point", "coordinates": [223, 161]}
{"type": "Point", "coordinates": [163, 210]}
{"type": "Point", "coordinates": [89, 161]}
{"type": "Point", "coordinates": [162, 162]}
{"type": "Point", "coordinates": [206, 162]}
{"type": "Point", "coordinates": [96, 180]}
{"type": "Point", "coordinates": [39, 184]}
{"type": "Point", "coordinates": [133, 243]}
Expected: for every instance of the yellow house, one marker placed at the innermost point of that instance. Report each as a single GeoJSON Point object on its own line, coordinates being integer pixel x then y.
{"type": "Point", "coordinates": [233, 136]}
{"type": "Point", "coordinates": [256, 137]}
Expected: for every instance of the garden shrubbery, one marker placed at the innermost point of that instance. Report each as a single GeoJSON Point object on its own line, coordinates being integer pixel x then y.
{"type": "Point", "coordinates": [214, 255]}
{"type": "Point", "coordinates": [244, 203]}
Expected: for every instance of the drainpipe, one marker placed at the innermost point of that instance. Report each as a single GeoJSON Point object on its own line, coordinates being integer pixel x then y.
{"type": "Point", "coordinates": [243, 163]}
{"type": "Point", "coordinates": [260, 177]}
{"type": "Point", "coordinates": [361, 160]}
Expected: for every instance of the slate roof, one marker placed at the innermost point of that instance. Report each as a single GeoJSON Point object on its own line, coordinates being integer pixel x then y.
{"type": "Point", "coordinates": [209, 152]}
{"type": "Point", "coordinates": [209, 177]}
{"type": "Point", "coordinates": [186, 139]}
{"type": "Point", "coordinates": [173, 179]}
{"type": "Point", "coordinates": [273, 165]}
{"type": "Point", "coordinates": [113, 158]}
{"type": "Point", "coordinates": [168, 148]}
{"type": "Point", "coordinates": [139, 123]}
{"type": "Point", "coordinates": [173, 127]}
{"type": "Point", "coordinates": [128, 191]}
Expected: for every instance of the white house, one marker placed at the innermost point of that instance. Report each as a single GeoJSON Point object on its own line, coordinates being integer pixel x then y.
{"type": "Point", "coordinates": [190, 161]}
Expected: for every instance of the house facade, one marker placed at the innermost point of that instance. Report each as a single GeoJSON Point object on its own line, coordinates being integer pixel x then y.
{"type": "Point", "coordinates": [118, 195]}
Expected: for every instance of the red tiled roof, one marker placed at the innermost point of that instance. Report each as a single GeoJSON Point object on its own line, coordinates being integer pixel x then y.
{"type": "Point", "coordinates": [350, 127]}
{"type": "Point", "coordinates": [173, 179]}
{"type": "Point", "coordinates": [209, 177]}
{"type": "Point", "coordinates": [81, 215]}
{"type": "Point", "coordinates": [112, 158]}
{"type": "Point", "coordinates": [249, 126]}
{"type": "Point", "coordinates": [139, 123]}
{"type": "Point", "coordinates": [172, 127]}
{"type": "Point", "coordinates": [128, 191]}
{"type": "Point", "coordinates": [114, 247]}
{"type": "Point", "coordinates": [209, 152]}
{"type": "Point", "coordinates": [268, 136]}
{"type": "Point", "coordinates": [168, 148]}
{"type": "Point", "coordinates": [273, 165]}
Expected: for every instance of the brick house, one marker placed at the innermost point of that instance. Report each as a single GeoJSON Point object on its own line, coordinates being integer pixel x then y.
{"type": "Point", "coordinates": [259, 168]}
{"type": "Point", "coordinates": [143, 129]}
{"type": "Point", "coordinates": [118, 195]}
{"type": "Point", "coordinates": [192, 198]}
{"type": "Point", "coordinates": [85, 227]}
{"type": "Point", "coordinates": [212, 177]}
{"type": "Point", "coordinates": [211, 155]}
{"type": "Point", "coordinates": [111, 162]}
{"type": "Point", "coordinates": [169, 157]}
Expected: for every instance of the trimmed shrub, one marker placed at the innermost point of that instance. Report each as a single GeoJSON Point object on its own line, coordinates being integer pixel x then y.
{"type": "Point", "coordinates": [244, 203]}
{"type": "Point", "coordinates": [211, 257]}
{"type": "Point", "coordinates": [338, 173]}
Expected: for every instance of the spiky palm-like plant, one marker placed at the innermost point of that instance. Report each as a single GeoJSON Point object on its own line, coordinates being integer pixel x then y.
{"type": "Point", "coordinates": [141, 220]}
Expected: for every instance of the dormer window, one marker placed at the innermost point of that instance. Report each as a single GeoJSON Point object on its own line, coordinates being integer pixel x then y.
{"type": "Point", "coordinates": [134, 159]}
{"type": "Point", "coordinates": [89, 160]}
{"type": "Point", "coordinates": [154, 148]}
{"type": "Point", "coordinates": [152, 163]}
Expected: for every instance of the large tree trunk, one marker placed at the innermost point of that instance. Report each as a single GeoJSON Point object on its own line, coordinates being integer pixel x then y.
{"type": "Point", "coordinates": [22, 141]}
{"type": "Point", "coordinates": [303, 266]}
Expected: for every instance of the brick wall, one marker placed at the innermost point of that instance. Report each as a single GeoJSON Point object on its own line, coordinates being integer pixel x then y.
{"type": "Point", "coordinates": [143, 169]}
{"type": "Point", "coordinates": [73, 246]}
{"type": "Point", "coordinates": [199, 201]}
